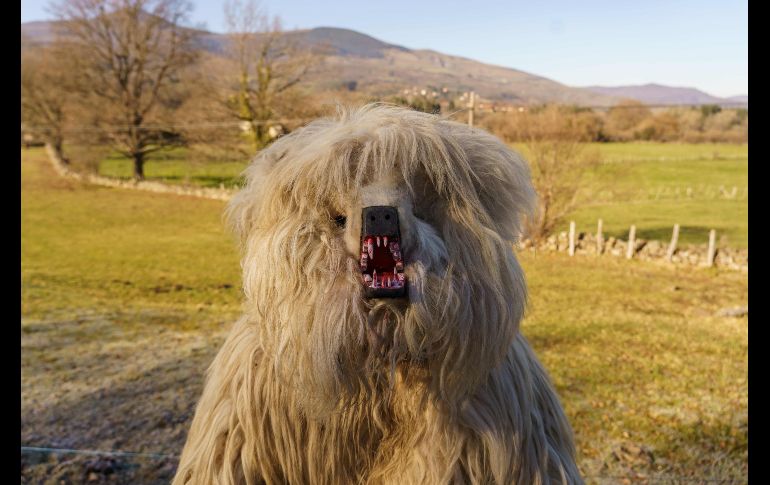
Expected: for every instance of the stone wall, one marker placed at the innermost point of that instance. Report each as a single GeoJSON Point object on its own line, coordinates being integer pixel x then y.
{"type": "Point", "coordinates": [204, 192]}
{"type": "Point", "coordinates": [692, 255]}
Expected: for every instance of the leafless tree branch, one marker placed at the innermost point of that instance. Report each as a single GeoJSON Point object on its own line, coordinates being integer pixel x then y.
{"type": "Point", "coordinates": [127, 54]}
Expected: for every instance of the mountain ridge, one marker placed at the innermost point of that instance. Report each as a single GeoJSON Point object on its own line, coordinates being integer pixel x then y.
{"type": "Point", "coordinates": [361, 62]}
{"type": "Point", "coordinates": [358, 61]}
{"type": "Point", "coordinates": [660, 94]}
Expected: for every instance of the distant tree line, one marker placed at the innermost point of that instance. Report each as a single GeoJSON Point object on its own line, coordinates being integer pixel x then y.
{"type": "Point", "coordinates": [632, 121]}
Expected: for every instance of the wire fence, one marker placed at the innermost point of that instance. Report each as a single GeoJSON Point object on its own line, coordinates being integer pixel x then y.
{"type": "Point", "coordinates": [657, 478]}
{"type": "Point", "coordinates": [481, 108]}
{"type": "Point", "coordinates": [116, 128]}
{"type": "Point", "coordinates": [71, 451]}
{"type": "Point", "coordinates": [667, 193]}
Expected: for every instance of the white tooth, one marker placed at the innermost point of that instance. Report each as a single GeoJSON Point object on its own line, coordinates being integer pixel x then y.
{"type": "Point", "coordinates": [370, 250]}
{"type": "Point", "coordinates": [385, 241]}
{"type": "Point", "coordinates": [378, 241]}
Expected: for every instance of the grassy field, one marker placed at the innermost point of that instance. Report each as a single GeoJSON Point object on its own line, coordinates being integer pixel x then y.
{"type": "Point", "coordinates": [653, 195]}
{"type": "Point", "coordinates": [646, 151]}
{"type": "Point", "coordinates": [126, 297]}
{"type": "Point", "coordinates": [176, 166]}
{"type": "Point", "coordinates": [657, 185]}
{"type": "Point", "coordinates": [651, 185]}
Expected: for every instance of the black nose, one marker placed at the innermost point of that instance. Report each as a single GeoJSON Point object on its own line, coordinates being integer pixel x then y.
{"type": "Point", "coordinates": [380, 219]}
{"type": "Point", "coordinates": [382, 264]}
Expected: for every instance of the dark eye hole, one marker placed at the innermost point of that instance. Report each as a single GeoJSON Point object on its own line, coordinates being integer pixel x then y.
{"type": "Point", "coordinates": [340, 220]}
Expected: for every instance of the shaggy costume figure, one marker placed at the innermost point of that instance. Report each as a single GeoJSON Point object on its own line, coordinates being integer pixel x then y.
{"type": "Point", "coordinates": [317, 383]}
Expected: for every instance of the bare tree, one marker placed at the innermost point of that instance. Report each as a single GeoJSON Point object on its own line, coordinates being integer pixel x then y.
{"type": "Point", "coordinates": [44, 95]}
{"type": "Point", "coordinates": [555, 144]}
{"type": "Point", "coordinates": [268, 65]}
{"type": "Point", "coordinates": [128, 55]}
{"type": "Point", "coordinates": [625, 117]}
{"type": "Point", "coordinates": [553, 140]}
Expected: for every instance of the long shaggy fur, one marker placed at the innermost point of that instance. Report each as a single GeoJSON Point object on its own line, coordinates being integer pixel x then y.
{"type": "Point", "coordinates": [316, 384]}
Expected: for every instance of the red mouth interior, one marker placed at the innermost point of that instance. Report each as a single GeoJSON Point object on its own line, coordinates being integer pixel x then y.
{"type": "Point", "coordinates": [381, 262]}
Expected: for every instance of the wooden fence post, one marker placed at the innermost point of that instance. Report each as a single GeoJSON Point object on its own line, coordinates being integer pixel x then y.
{"type": "Point", "coordinates": [631, 243]}
{"type": "Point", "coordinates": [572, 238]}
{"type": "Point", "coordinates": [471, 106]}
{"type": "Point", "coordinates": [672, 246]}
{"type": "Point", "coordinates": [599, 239]}
{"type": "Point", "coordinates": [712, 248]}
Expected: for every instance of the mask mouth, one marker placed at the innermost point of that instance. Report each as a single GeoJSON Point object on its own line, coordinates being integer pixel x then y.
{"type": "Point", "coordinates": [381, 261]}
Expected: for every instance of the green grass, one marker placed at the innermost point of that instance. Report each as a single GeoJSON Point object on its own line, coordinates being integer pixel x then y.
{"type": "Point", "coordinates": [640, 361]}
{"type": "Point", "coordinates": [614, 152]}
{"type": "Point", "coordinates": [129, 249]}
{"type": "Point", "coordinates": [634, 186]}
{"type": "Point", "coordinates": [174, 166]}
{"type": "Point", "coordinates": [647, 151]}
{"type": "Point", "coordinates": [126, 297]}
{"type": "Point", "coordinates": [650, 185]}
{"type": "Point", "coordinates": [655, 220]}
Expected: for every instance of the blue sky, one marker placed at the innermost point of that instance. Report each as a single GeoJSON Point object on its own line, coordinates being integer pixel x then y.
{"type": "Point", "coordinates": [702, 44]}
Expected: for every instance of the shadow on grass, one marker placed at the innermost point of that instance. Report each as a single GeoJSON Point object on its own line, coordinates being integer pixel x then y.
{"type": "Point", "coordinates": [147, 410]}
{"type": "Point", "coordinates": [151, 414]}
{"type": "Point", "coordinates": [201, 180]}
{"type": "Point", "coordinates": [565, 341]}
{"type": "Point", "coordinates": [212, 181]}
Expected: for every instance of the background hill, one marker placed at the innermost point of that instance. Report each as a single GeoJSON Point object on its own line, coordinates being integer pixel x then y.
{"type": "Point", "coordinates": [658, 94]}
{"type": "Point", "coordinates": [360, 62]}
